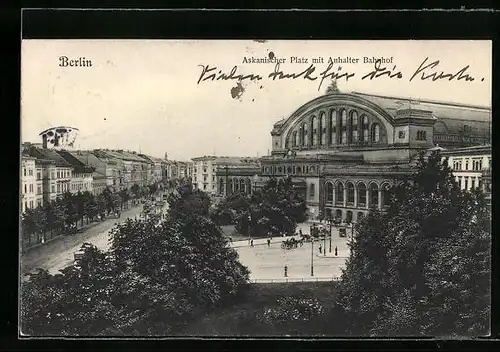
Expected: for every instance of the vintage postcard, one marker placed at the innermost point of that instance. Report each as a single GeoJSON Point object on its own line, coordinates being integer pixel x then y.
{"type": "Point", "coordinates": [255, 188]}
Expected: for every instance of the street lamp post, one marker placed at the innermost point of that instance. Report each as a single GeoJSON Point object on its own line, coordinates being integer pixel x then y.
{"type": "Point", "coordinates": [324, 244]}
{"type": "Point", "coordinates": [330, 223]}
{"type": "Point", "coordinates": [312, 251]}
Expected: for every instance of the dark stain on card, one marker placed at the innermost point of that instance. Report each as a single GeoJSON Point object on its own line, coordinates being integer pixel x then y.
{"type": "Point", "coordinates": [271, 55]}
{"type": "Point", "coordinates": [237, 91]}
{"type": "Point", "coordinates": [260, 41]}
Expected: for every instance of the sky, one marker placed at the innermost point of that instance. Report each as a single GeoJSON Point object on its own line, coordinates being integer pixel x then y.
{"type": "Point", "coordinates": [144, 95]}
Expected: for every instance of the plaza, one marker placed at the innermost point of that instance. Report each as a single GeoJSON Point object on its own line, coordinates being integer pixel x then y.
{"type": "Point", "coordinates": [267, 263]}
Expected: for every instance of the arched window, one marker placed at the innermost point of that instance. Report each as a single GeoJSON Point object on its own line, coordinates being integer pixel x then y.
{"type": "Point", "coordinates": [311, 190]}
{"type": "Point", "coordinates": [350, 193]}
{"type": "Point", "coordinates": [348, 216]}
{"type": "Point", "coordinates": [374, 195]}
{"type": "Point", "coordinates": [386, 195]}
{"type": "Point", "coordinates": [333, 127]}
{"type": "Point", "coordinates": [305, 135]}
{"type": "Point", "coordinates": [364, 122]}
{"type": "Point", "coordinates": [242, 185]}
{"type": "Point", "coordinates": [338, 214]}
{"type": "Point", "coordinates": [361, 194]}
{"type": "Point", "coordinates": [315, 131]}
{"type": "Point", "coordinates": [329, 192]}
{"type": "Point", "coordinates": [339, 193]}
{"type": "Point", "coordinates": [344, 127]}
{"type": "Point", "coordinates": [375, 137]}
{"type": "Point", "coordinates": [287, 143]}
{"type": "Point", "coordinates": [354, 127]}
{"type": "Point", "coordinates": [295, 137]}
{"type": "Point", "coordinates": [322, 128]}
{"type": "Point", "coordinates": [221, 186]}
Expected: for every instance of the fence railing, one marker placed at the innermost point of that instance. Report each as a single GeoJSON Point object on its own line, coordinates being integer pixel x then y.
{"type": "Point", "coordinates": [292, 280]}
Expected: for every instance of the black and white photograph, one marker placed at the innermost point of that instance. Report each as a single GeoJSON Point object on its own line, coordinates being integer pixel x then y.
{"type": "Point", "coordinates": [255, 188]}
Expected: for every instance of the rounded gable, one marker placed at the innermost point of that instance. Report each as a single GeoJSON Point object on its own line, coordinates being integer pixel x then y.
{"type": "Point", "coordinates": [321, 114]}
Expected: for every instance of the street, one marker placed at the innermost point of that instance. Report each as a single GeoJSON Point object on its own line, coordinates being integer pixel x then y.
{"type": "Point", "coordinates": [59, 253]}
{"type": "Point", "coordinates": [268, 263]}
{"type": "Point", "coordinates": [265, 263]}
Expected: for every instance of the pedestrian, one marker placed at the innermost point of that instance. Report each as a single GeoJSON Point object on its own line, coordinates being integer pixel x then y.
{"type": "Point", "coordinates": [286, 271]}
{"type": "Point", "coordinates": [230, 240]}
{"type": "Point", "coordinates": [300, 232]}
{"type": "Point", "coordinates": [268, 242]}
{"type": "Point", "coordinates": [319, 249]}
{"type": "Point", "coordinates": [251, 242]}
{"type": "Point", "coordinates": [336, 251]}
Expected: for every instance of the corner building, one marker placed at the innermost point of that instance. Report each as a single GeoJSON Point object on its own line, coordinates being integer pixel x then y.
{"type": "Point", "coordinates": [344, 151]}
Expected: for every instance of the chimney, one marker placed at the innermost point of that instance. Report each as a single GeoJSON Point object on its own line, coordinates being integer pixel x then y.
{"type": "Point", "coordinates": [44, 141]}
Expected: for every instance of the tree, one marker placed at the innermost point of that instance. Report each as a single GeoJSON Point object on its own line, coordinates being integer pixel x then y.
{"type": "Point", "coordinates": [69, 205]}
{"type": "Point", "coordinates": [188, 201]}
{"type": "Point", "coordinates": [422, 268]}
{"type": "Point", "coordinates": [157, 276]}
{"type": "Point", "coordinates": [79, 201]}
{"type": "Point", "coordinates": [116, 201]}
{"type": "Point", "coordinates": [274, 210]}
{"type": "Point", "coordinates": [56, 215]}
{"type": "Point", "coordinates": [102, 204]}
{"type": "Point", "coordinates": [28, 223]}
{"type": "Point", "coordinates": [72, 303]}
{"type": "Point", "coordinates": [135, 189]}
{"type": "Point", "coordinates": [189, 263]}
{"type": "Point", "coordinates": [231, 209]}
{"type": "Point", "coordinates": [125, 196]}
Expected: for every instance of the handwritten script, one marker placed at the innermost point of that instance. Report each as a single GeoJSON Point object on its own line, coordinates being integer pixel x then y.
{"type": "Point", "coordinates": [426, 71]}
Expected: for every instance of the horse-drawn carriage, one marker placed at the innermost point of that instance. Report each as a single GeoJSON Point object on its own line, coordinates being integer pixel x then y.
{"type": "Point", "coordinates": [291, 243]}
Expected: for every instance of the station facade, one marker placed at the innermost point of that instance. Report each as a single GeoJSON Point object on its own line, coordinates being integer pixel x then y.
{"type": "Point", "coordinates": [345, 151]}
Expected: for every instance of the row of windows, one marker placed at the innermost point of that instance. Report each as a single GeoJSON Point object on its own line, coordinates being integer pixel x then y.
{"type": "Point", "coordinates": [348, 215]}
{"type": "Point", "coordinates": [475, 163]}
{"type": "Point", "coordinates": [472, 181]}
{"type": "Point", "coordinates": [291, 170]}
{"type": "Point", "coordinates": [347, 194]}
{"type": "Point", "coordinates": [235, 185]}
{"type": "Point", "coordinates": [421, 135]}
{"type": "Point", "coordinates": [28, 189]}
{"type": "Point", "coordinates": [79, 186]}
{"type": "Point", "coordinates": [339, 130]}
{"type": "Point", "coordinates": [61, 188]}
{"type": "Point", "coordinates": [30, 172]}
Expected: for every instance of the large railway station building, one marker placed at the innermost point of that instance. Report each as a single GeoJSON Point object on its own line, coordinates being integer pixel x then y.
{"type": "Point", "coordinates": [345, 150]}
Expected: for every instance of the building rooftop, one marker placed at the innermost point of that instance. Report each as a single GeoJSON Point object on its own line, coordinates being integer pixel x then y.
{"type": "Point", "coordinates": [227, 159]}
{"type": "Point", "coordinates": [486, 148]}
{"type": "Point", "coordinates": [79, 166]}
{"type": "Point", "coordinates": [49, 154]}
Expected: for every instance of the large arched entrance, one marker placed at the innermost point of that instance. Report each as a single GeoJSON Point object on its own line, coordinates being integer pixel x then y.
{"type": "Point", "coordinates": [338, 214]}
{"type": "Point", "coordinates": [348, 216]}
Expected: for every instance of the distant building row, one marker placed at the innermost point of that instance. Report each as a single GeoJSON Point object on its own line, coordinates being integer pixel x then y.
{"type": "Point", "coordinates": [47, 173]}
